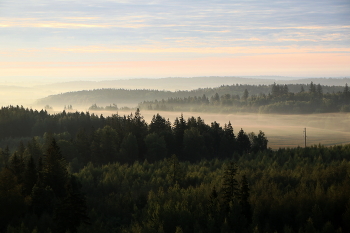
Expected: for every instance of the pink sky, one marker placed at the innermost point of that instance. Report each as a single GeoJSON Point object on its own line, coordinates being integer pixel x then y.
{"type": "Point", "coordinates": [131, 38]}
{"type": "Point", "coordinates": [307, 64]}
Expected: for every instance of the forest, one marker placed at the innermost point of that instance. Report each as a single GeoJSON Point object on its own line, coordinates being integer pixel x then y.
{"type": "Point", "coordinates": [79, 172]}
{"type": "Point", "coordinates": [224, 98]}
{"type": "Point", "coordinates": [280, 99]}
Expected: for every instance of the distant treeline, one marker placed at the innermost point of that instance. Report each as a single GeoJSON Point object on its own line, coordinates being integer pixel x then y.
{"type": "Point", "coordinates": [121, 97]}
{"type": "Point", "coordinates": [311, 98]}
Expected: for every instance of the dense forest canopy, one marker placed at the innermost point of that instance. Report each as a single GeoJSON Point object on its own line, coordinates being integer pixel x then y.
{"type": "Point", "coordinates": [128, 138]}
{"type": "Point", "coordinates": [79, 172]}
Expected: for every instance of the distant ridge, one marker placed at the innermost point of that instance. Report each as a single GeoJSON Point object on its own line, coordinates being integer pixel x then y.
{"type": "Point", "coordinates": [174, 84]}
{"type": "Point", "coordinates": [131, 97]}
{"type": "Point", "coordinates": [27, 96]}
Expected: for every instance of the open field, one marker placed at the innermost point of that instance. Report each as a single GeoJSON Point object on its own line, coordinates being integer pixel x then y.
{"type": "Point", "coordinates": [281, 130]}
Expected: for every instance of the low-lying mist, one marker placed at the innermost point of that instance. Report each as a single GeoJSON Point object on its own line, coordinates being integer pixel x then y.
{"type": "Point", "coordinates": [281, 130]}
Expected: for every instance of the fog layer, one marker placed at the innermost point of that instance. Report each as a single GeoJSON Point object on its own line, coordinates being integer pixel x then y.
{"type": "Point", "coordinates": [281, 130]}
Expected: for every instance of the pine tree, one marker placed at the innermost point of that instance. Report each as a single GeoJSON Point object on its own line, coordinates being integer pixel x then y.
{"type": "Point", "coordinates": [175, 172]}
{"type": "Point", "coordinates": [159, 124]}
{"type": "Point", "coordinates": [20, 149]}
{"type": "Point", "coordinates": [346, 93]}
{"type": "Point", "coordinates": [229, 189]}
{"type": "Point", "coordinates": [72, 210]}
{"type": "Point", "coordinates": [17, 167]}
{"type": "Point", "coordinates": [227, 142]}
{"type": "Point", "coordinates": [245, 95]}
{"type": "Point", "coordinates": [259, 142]}
{"type": "Point", "coordinates": [319, 90]}
{"type": "Point", "coordinates": [214, 211]}
{"type": "Point", "coordinates": [129, 149]}
{"type": "Point", "coordinates": [30, 176]}
{"type": "Point", "coordinates": [312, 88]}
{"type": "Point", "coordinates": [55, 169]}
{"type": "Point", "coordinates": [179, 128]}
{"type": "Point", "coordinates": [6, 155]}
{"type": "Point", "coordinates": [244, 200]}
{"type": "Point", "coordinates": [243, 142]}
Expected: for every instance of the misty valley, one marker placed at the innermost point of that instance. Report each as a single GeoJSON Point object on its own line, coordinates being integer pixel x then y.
{"type": "Point", "coordinates": [186, 116]}
{"type": "Point", "coordinates": [219, 159]}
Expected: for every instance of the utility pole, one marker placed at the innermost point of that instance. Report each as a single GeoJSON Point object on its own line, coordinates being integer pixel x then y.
{"type": "Point", "coordinates": [305, 136]}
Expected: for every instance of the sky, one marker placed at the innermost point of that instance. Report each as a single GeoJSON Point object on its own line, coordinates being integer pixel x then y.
{"type": "Point", "coordinates": [61, 40]}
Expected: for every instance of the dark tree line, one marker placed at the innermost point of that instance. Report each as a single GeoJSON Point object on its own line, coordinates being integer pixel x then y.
{"type": "Point", "coordinates": [88, 138]}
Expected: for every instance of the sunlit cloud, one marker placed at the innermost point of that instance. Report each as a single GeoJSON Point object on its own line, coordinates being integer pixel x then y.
{"type": "Point", "coordinates": [201, 50]}
{"type": "Point", "coordinates": [296, 40]}
{"type": "Point", "coordinates": [223, 31]}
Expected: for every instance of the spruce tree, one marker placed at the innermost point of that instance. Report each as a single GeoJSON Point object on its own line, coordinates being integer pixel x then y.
{"type": "Point", "coordinates": [175, 172]}
{"type": "Point", "coordinates": [17, 167]}
{"type": "Point", "coordinates": [243, 142]}
{"type": "Point", "coordinates": [30, 176]}
{"type": "Point", "coordinates": [55, 169]}
{"type": "Point", "coordinates": [229, 189]}
{"type": "Point", "coordinates": [244, 200]}
{"type": "Point", "coordinates": [72, 210]}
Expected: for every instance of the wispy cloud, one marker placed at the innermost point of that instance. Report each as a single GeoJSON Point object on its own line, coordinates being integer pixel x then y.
{"type": "Point", "coordinates": [171, 30]}
{"type": "Point", "coordinates": [201, 50]}
{"type": "Point", "coordinates": [37, 23]}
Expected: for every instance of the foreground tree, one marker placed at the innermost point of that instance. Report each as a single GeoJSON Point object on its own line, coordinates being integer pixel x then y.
{"type": "Point", "coordinates": [243, 142]}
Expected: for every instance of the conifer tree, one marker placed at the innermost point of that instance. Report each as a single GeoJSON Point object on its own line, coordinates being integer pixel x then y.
{"type": "Point", "coordinates": [244, 200]}
{"type": "Point", "coordinates": [243, 142]}
{"type": "Point", "coordinates": [230, 188]}
{"type": "Point", "coordinates": [17, 167]}
{"type": "Point", "coordinates": [21, 149]}
{"type": "Point", "coordinates": [179, 128]}
{"type": "Point", "coordinates": [312, 88]}
{"type": "Point", "coordinates": [30, 176]}
{"type": "Point", "coordinates": [129, 149]}
{"type": "Point", "coordinates": [72, 210]}
{"type": "Point", "coordinates": [55, 169]}
{"type": "Point", "coordinates": [245, 95]}
{"type": "Point", "coordinates": [214, 210]}
{"type": "Point", "coordinates": [6, 155]}
{"type": "Point", "coordinates": [175, 172]}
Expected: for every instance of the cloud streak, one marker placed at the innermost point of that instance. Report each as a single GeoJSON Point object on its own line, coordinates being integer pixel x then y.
{"type": "Point", "coordinates": [135, 31]}
{"type": "Point", "coordinates": [201, 50]}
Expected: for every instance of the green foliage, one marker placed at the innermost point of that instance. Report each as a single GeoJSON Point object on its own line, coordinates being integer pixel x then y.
{"type": "Point", "coordinates": [279, 191]}
{"type": "Point", "coordinates": [127, 182]}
